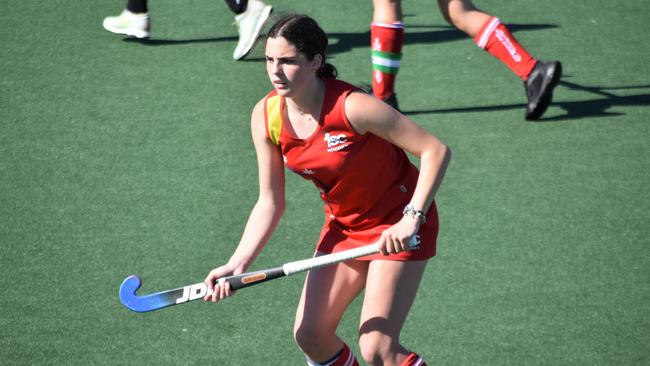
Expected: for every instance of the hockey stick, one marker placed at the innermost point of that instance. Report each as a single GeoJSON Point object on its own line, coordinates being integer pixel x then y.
{"type": "Point", "coordinates": [180, 295]}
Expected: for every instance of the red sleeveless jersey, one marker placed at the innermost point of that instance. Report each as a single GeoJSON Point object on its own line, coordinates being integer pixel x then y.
{"type": "Point", "coordinates": [364, 180]}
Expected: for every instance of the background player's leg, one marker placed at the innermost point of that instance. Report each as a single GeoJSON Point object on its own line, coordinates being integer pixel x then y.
{"type": "Point", "coordinates": [494, 37]}
{"type": "Point", "coordinates": [489, 34]}
{"type": "Point", "coordinates": [137, 6]}
{"type": "Point", "coordinates": [386, 40]}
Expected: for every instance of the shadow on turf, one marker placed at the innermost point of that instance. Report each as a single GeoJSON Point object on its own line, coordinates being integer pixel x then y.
{"type": "Point", "coordinates": [574, 110]}
{"type": "Point", "coordinates": [598, 107]}
{"type": "Point", "coordinates": [343, 42]}
{"type": "Point", "coordinates": [174, 42]}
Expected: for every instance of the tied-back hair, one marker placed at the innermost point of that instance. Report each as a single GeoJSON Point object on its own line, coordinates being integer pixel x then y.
{"type": "Point", "coordinates": [308, 38]}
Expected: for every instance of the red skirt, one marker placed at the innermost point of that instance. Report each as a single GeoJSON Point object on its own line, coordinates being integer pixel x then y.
{"type": "Point", "coordinates": [335, 237]}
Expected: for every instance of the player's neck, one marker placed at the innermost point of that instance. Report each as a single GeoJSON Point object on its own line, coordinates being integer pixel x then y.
{"type": "Point", "coordinates": [311, 99]}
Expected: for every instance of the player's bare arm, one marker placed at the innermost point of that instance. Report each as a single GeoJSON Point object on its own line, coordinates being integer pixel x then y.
{"type": "Point", "coordinates": [367, 114]}
{"type": "Point", "coordinates": [265, 214]}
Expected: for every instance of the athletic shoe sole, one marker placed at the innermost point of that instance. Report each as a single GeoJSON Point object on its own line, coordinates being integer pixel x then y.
{"type": "Point", "coordinates": [137, 33]}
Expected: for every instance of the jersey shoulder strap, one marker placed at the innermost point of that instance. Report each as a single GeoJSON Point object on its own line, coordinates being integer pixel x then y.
{"type": "Point", "coordinates": [273, 117]}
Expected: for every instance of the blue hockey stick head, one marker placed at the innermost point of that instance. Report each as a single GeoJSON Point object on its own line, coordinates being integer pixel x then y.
{"type": "Point", "coordinates": [158, 300]}
{"type": "Point", "coordinates": [141, 304]}
{"type": "Point", "coordinates": [128, 297]}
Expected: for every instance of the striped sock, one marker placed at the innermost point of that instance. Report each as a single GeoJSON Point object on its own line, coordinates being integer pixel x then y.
{"type": "Point", "coordinates": [386, 43]}
{"type": "Point", "coordinates": [345, 357]}
{"type": "Point", "coordinates": [495, 38]}
{"type": "Point", "coordinates": [414, 360]}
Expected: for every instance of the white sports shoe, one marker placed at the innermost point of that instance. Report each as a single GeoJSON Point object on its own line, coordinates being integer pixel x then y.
{"type": "Point", "coordinates": [131, 24]}
{"type": "Point", "coordinates": [249, 25]}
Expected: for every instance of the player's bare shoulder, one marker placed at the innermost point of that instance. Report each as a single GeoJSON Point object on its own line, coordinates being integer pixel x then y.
{"type": "Point", "coordinates": [257, 118]}
{"type": "Point", "coordinates": [363, 110]}
{"type": "Point", "coordinates": [258, 110]}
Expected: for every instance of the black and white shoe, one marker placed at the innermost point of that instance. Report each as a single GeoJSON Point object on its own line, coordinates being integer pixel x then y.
{"type": "Point", "coordinates": [539, 87]}
{"type": "Point", "coordinates": [249, 25]}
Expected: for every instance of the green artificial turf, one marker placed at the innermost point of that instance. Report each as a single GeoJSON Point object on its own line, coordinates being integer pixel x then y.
{"type": "Point", "coordinates": [121, 157]}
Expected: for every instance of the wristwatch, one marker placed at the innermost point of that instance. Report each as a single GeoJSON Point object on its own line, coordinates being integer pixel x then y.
{"type": "Point", "coordinates": [411, 211]}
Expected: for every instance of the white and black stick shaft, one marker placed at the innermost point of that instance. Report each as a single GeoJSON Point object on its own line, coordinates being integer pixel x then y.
{"type": "Point", "coordinates": [180, 295]}
{"type": "Point", "coordinates": [287, 269]}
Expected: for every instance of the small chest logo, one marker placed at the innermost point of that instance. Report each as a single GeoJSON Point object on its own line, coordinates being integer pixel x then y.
{"type": "Point", "coordinates": [335, 142]}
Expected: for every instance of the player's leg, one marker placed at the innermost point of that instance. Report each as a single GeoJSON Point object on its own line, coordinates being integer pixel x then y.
{"type": "Point", "coordinates": [386, 40]}
{"type": "Point", "coordinates": [463, 15]}
{"type": "Point", "coordinates": [390, 290]}
{"type": "Point", "coordinates": [326, 294]}
{"type": "Point", "coordinates": [250, 16]}
{"type": "Point", "coordinates": [134, 20]}
{"type": "Point", "coordinates": [489, 34]}
{"type": "Point", "coordinates": [494, 37]}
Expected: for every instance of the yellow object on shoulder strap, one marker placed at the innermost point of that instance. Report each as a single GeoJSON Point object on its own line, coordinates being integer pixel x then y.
{"type": "Point", "coordinates": [274, 118]}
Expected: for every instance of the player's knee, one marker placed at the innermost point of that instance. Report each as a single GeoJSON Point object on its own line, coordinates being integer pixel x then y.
{"type": "Point", "coordinates": [457, 17]}
{"type": "Point", "coordinates": [456, 12]}
{"type": "Point", "coordinates": [375, 347]}
{"type": "Point", "coordinates": [307, 337]}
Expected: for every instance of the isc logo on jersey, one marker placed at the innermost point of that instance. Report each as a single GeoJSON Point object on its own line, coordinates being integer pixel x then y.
{"type": "Point", "coordinates": [336, 142]}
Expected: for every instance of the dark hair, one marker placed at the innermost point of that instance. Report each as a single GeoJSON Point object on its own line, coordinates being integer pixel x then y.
{"type": "Point", "coordinates": [308, 38]}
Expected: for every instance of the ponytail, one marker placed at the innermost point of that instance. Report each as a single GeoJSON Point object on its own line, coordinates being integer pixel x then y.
{"type": "Point", "coordinates": [327, 71]}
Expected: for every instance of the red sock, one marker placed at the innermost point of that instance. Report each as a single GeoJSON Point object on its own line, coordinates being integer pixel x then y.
{"type": "Point", "coordinates": [344, 358]}
{"type": "Point", "coordinates": [414, 360]}
{"type": "Point", "coordinates": [495, 38]}
{"type": "Point", "coordinates": [386, 41]}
